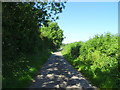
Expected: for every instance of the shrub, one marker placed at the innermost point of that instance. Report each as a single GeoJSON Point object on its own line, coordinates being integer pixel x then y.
{"type": "Point", "coordinates": [97, 59]}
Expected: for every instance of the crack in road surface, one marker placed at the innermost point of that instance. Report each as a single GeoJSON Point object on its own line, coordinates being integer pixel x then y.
{"type": "Point", "coordinates": [58, 73]}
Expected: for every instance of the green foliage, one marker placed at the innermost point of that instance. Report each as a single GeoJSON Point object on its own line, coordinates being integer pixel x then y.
{"type": "Point", "coordinates": [97, 60]}
{"type": "Point", "coordinates": [72, 50]}
{"type": "Point", "coordinates": [75, 49]}
{"type": "Point", "coordinates": [54, 34]}
{"type": "Point", "coordinates": [22, 72]}
{"type": "Point", "coordinates": [23, 49]}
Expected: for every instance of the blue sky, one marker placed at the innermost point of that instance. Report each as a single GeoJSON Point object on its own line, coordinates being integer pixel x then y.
{"type": "Point", "coordinates": [82, 20]}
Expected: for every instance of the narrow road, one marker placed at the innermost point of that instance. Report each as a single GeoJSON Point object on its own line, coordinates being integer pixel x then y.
{"type": "Point", "coordinates": [58, 73]}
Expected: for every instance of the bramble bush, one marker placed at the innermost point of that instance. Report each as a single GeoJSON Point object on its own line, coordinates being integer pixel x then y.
{"type": "Point", "coordinates": [97, 60]}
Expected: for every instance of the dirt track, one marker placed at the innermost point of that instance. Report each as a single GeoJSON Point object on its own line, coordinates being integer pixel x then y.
{"type": "Point", "coordinates": [58, 73]}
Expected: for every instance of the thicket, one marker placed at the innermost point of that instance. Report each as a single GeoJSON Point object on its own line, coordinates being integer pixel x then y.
{"type": "Point", "coordinates": [97, 59]}
{"type": "Point", "coordinates": [54, 34]}
{"type": "Point", "coordinates": [24, 47]}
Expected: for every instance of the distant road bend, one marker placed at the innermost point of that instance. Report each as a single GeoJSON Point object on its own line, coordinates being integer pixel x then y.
{"type": "Point", "coordinates": [58, 73]}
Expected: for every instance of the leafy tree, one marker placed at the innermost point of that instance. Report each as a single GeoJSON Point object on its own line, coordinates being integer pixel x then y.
{"type": "Point", "coordinates": [21, 35]}
{"type": "Point", "coordinates": [54, 34]}
{"type": "Point", "coordinates": [21, 22]}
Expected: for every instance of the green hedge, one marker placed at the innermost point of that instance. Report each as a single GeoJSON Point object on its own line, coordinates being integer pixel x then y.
{"type": "Point", "coordinates": [97, 60]}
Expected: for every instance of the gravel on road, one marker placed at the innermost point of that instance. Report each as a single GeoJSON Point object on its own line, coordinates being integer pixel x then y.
{"type": "Point", "coordinates": [58, 73]}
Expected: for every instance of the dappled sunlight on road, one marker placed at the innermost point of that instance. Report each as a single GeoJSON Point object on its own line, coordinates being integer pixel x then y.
{"type": "Point", "coordinates": [58, 73]}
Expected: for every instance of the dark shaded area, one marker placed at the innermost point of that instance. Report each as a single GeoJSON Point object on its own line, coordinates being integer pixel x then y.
{"type": "Point", "coordinates": [24, 50]}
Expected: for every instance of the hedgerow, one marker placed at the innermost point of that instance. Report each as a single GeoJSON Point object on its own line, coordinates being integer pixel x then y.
{"type": "Point", "coordinates": [97, 60]}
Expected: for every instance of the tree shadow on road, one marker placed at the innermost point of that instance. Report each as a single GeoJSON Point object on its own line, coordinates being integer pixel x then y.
{"type": "Point", "coordinates": [58, 73]}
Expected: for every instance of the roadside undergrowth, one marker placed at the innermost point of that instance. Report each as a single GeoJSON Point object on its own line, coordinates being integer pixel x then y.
{"type": "Point", "coordinates": [97, 59]}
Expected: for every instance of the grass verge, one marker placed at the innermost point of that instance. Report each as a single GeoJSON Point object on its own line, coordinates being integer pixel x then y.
{"type": "Point", "coordinates": [23, 72]}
